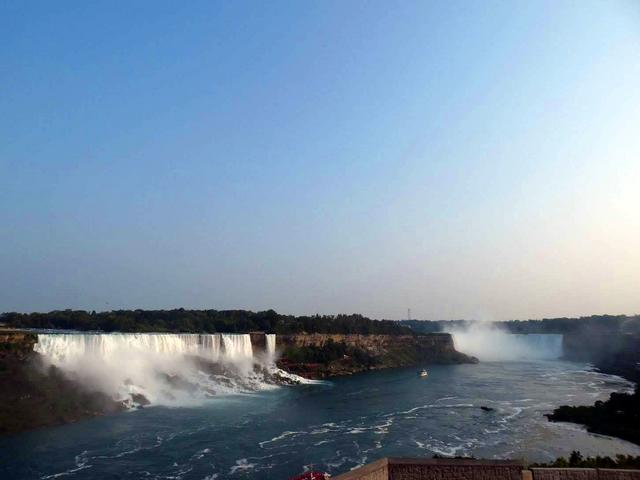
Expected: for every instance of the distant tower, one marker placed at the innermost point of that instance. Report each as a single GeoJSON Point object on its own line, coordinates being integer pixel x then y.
{"type": "Point", "coordinates": [408, 313]}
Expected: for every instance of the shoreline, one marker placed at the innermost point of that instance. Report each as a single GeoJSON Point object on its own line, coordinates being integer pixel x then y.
{"type": "Point", "coordinates": [34, 388]}
{"type": "Point", "coordinates": [618, 417]}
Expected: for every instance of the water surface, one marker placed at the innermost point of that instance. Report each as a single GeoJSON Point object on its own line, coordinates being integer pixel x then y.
{"type": "Point", "coordinates": [332, 426]}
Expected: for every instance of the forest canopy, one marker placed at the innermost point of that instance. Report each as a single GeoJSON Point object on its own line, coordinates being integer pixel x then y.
{"type": "Point", "coordinates": [201, 321]}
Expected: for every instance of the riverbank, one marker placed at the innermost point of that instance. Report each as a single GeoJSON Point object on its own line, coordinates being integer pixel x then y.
{"type": "Point", "coordinates": [613, 354]}
{"type": "Point", "coordinates": [37, 394]}
{"type": "Point", "coordinates": [318, 356]}
{"type": "Point", "coordinates": [617, 417]}
{"type": "Point", "coordinates": [333, 425]}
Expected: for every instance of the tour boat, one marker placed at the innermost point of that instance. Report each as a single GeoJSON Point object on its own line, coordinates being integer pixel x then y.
{"type": "Point", "coordinates": [423, 373]}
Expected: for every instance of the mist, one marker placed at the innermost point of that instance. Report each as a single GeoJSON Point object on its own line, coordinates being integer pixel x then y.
{"type": "Point", "coordinates": [492, 344]}
{"type": "Point", "coordinates": [162, 369]}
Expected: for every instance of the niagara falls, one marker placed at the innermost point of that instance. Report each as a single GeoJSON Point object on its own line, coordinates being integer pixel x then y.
{"type": "Point", "coordinates": [320, 240]}
{"type": "Point", "coordinates": [491, 343]}
{"type": "Point", "coordinates": [163, 369]}
{"type": "Point", "coordinates": [229, 405]}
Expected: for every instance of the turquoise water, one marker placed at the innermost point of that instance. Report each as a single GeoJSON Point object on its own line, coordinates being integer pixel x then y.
{"type": "Point", "coordinates": [332, 426]}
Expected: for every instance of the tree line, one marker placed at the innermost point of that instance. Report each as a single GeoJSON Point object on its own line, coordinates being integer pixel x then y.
{"type": "Point", "coordinates": [595, 323]}
{"type": "Point", "coordinates": [201, 321]}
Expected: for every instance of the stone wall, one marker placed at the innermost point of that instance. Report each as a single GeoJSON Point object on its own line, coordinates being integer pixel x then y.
{"type": "Point", "coordinates": [565, 474]}
{"type": "Point", "coordinates": [615, 474]}
{"type": "Point", "coordinates": [467, 469]}
{"type": "Point", "coordinates": [436, 469]}
{"type": "Point", "coordinates": [584, 474]}
{"type": "Point", "coordinates": [378, 470]}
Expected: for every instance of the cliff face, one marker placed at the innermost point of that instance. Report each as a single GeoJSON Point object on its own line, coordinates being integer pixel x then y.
{"type": "Point", "coordinates": [319, 355]}
{"type": "Point", "coordinates": [16, 345]}
{"type": "Point", "coordinates": [612, 352]}
{"type": "Point", "coordinates": [624, 360]}
{"type": "Point", "coordinates": [34, 395]}
{"type": "Point", "coordinates": [619, 416]}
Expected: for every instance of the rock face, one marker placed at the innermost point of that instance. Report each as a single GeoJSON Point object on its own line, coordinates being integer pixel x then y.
{"type": "Point", "coordinates": [34, 395]}
{"type": "Point", "coordinates": [612, 352]}
{"type": "Point", "coordinates": [16, 345]}
{"type": "Point", "coordinates": [319, 355]}
{"type": "Point", "coordinates": [619, 416]}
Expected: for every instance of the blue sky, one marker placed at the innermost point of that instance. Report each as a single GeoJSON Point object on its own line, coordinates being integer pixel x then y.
{"type": "Point", "coordinates": [462, 159]}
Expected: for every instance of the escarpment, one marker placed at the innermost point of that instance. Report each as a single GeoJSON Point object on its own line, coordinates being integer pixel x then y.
{"type": "Point", "coordinates": [614, 352]}
{"type": "Point", "coordinates": [16, 345]}
{"type": "Point", "coordinates": [319, 355]}
{"type": "Point", "coordinates": [35, 395]}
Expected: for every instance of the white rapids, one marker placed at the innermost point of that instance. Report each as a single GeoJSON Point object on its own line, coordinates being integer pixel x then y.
{"type": "Point", "coordinates": [164, 368]}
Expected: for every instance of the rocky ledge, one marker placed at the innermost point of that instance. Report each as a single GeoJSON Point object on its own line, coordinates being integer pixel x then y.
{"type": "Point", "coordinates": [318, 355]}
{"type": "Point", "coordinates": [34, 395]}
{"type": "Point", "coordinates": [619, 416]}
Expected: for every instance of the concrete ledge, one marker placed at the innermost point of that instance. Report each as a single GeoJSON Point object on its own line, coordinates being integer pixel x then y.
{"type": "Point", "coordinates": [584, 474]}
{"type": "Point", "coordinates": [617, 474]}
{"type": "Point", "coordinates": [436, 469]}
{"type": "Point", "coordinates": [468, 469]}
{"type": "Point", "coordinates": [378, 470]}
{"type": "Point", "coordinates": [565, 474]}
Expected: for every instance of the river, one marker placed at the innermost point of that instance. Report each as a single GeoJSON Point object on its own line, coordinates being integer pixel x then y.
{"type": "Point", "coordinates": [332, 426]}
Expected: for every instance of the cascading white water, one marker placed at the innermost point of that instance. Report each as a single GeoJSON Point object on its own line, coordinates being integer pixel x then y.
{"type": "Point", "coordinates": [542, 345]}
{"type": "Point", "coordinates": [164, 368]}
{"type": "Point", "coordinates": [237, 346]}
{"type": "Point", "coordinates": [489, 343]}
{"type": "Point", "coordinates": [211, 346]}
{"type": "Point", "coordinates": [271, 345]}
{"type": "Point", "coordinates": [59, 346]}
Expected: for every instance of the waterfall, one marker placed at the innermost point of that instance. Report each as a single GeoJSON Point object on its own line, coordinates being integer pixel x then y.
{"type": "Point", "coordinates": [541, 345]}
{"type": "Point", "coordinates": [489, 343]}
{"type": "Point", "coordinates": [236, 346]}
{"type": "Point", "coordinates": [58, 346]}
{"type": "Point", "coordinates": [165, 368]}
{"type": "Point", "coordinates": [211, 346]}
{"type": "Point", "coordinates": [271, 344]}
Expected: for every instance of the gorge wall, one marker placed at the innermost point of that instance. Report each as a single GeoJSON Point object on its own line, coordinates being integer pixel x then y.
{"type": "Point", "coordinates": [60, 377]}
{"type": "Point", "coordinates": [52, 378]}
{"type": "Point", "coordinates": [35, 394]}
{"type": "Point", "coordinates": [319, 355]}
{"type": "Point", "coordinates": [16, 345]}
{"type": "Point", "coordinates": [614, 352]}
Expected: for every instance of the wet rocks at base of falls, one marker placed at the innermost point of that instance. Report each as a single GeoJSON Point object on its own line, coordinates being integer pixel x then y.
{"type": "Point", "coordinates": [214, 379]}
{"type": "Point", "coordinates": [139, 400]}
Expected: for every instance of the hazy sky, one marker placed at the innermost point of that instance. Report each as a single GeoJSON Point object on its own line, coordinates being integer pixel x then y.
{"type": "Point", "coordinates": [462, 159]}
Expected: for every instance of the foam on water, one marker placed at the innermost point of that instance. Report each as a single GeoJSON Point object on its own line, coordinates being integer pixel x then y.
{"type": "Point", "coordinates": [277, 434]}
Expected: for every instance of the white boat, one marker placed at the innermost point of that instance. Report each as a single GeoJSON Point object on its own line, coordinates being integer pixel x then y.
{"type": "Point", "coordinates": [423, 373]}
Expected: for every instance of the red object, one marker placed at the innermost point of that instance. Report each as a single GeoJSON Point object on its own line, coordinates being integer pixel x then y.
{"type": "Point", "coordinates": [310, 476]}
